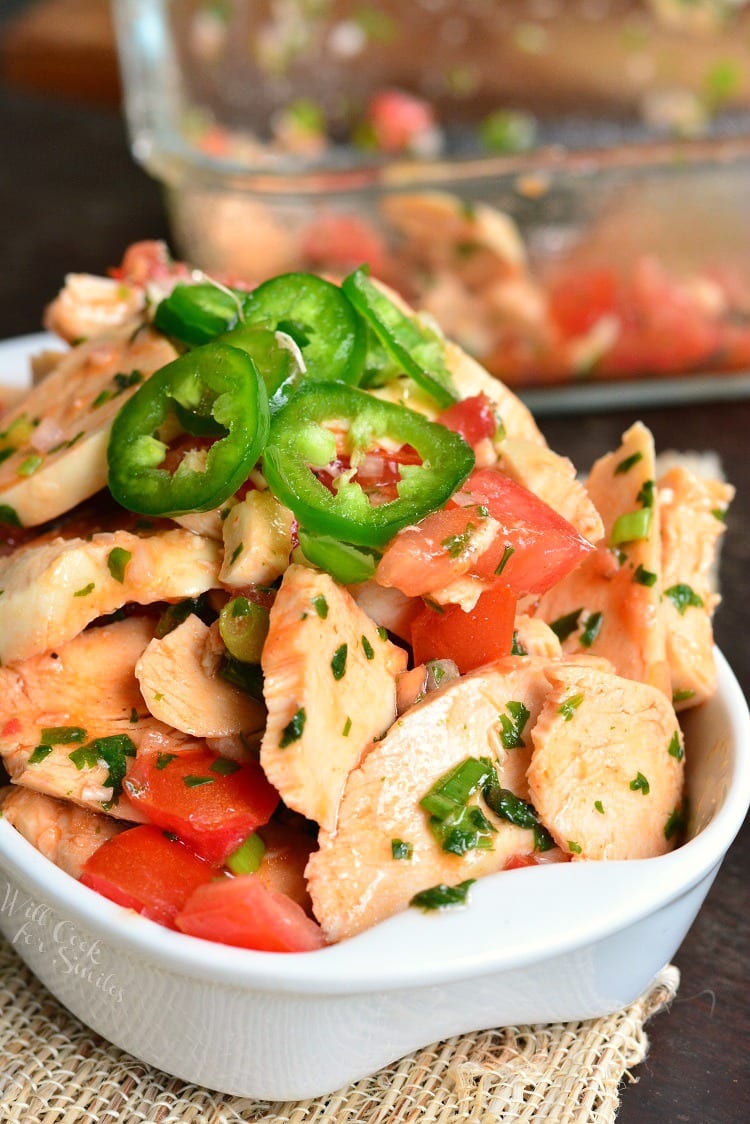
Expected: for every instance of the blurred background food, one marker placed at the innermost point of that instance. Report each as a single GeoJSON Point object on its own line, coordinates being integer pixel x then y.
{"type": "Point", "coordinates": [561, 183]}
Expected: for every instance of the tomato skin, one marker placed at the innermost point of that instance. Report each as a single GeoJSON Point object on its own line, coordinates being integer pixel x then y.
{"type": "Point", "coordinates": [577, 301]}
{"type": "Point", "coordinates": [245, 913]}
{"type": "Point", "coordinates": [213, 818]}
{"type": "Point", "coordinates": [474, 418]}
{"type": "Point", "coordinates": [545, 547]}
{"type": "Point", "coordinates": [472, 639]}
{"type": "Point", "coordinates": [398, 120]}
{"type": "Point", "coordinates": [343, 242]}
{"type": "Point", "coordinates": [143, 870]}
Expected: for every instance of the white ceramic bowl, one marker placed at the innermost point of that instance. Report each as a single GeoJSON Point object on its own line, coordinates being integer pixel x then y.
{"type": "Point", "coordinates": [540, 944]}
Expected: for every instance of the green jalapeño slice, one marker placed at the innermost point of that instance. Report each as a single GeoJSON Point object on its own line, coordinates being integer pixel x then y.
{"type": "Point", "coordinates": [325, 422]}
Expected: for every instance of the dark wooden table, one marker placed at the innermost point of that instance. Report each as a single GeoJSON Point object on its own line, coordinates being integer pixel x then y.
{"type": "Point", "coordinates": [71, 199]}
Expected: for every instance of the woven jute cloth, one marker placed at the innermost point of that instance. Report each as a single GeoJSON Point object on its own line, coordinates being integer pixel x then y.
{"type": "Point", "coordinates": [54, 1070]}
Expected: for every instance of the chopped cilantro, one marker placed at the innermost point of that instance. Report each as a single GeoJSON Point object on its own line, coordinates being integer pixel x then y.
{"type": "Point", "coordinates": [683, 597]}
{"type": "Point", "coordinates": [195, 782]}
{"type": "Point", "coordinates": [292, 732]}
{"type": "Point", "coordinates": [85, 591]}
{"type": "Point", "coordinates": [570, 706]}
{"type": "Point", "coordinates": [456, 545]}
{"type": "Point", "coordinates": [591, 630]}
{"type": "Point", "coordinates": [9, 515]}
{"type": "Point", "coordinates": [510, 807]}
{"type": "Point", "coordinates": [321, 606]}
{"type": "Point", "coordinates": [117, 562]}
{"type": "Point", "coordinates": [599, 807]}
{"type": "Point", "coordinates": [512, 725]}
{"type": "Point", "coordinates": [236, 553]}
{"type": "Point", "coordinates": [338, 662]}
{"type": "Point", "coordinates": [674, 749]}
{"type": "Point", "coordinates": [382, 632]}
{"type": "Point", "coordinates": [566, 625]}
{"type": "Point", "coordinates": [682, 695]}
{"type": "Point", "coordinates": [62, 735]}
{"type": "Point", "coordinates": [516, 647]}
{"type": "Point", "coordinates": [628, 463]}
{"type": "Point", "coordinates": [644, 576]}
{"type": "Point", "coordinates": [368, 649]}
{"type": "Point", "coordinates": [133, 714]}
{"type": "Point", "coordinates": [574, 847]}
{"type": "Point", "coordinates": [646, 495]}
{"type": "Point", "coordinates": [224, 767]}
{"type": "Point", "coordinates": [39, 754]}
{"type": "Point", "coordinates": [347, 728]}
{"type": "Point", "coordinates": [401, 850]}
{"type": "Point", "coordinates": [639, 783]}
{"type": "Point", "coordinates": [443, 896]}
{"type": "Point", "coordinates": [164, 759]}
{"type": "Point", "coordinates": [676, 822]}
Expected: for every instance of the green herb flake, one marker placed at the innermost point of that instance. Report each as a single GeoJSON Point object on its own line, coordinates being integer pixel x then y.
{"type": "Point", "coordinates": [382, 632]}
{"type": "Point", "coordinates": [29, 465]}
{"type": "Point", "coordinates": [192, 781]}
{"type": "Point", "coordinates": [591, 630]}
{"type": "Point", "coordinates": [566, 625]}
{"type": "Point", "coordinates": [368, 649]}
{"type": "Point", "coordinates": [570, 706]}
{"type": "Point", "coordinates": [102, 397]}
{"type": "Point", "coordinates": [112, 751]}
{"type": "Point", "coordinates": [516, 647]}
{"type": "Point", "coordinates": [117, 562]}
{"type": "Point", "coordinates": [224, 768]}
{"type": "Point", "coordinates": [628, 463]}
{"type": "Point", "coordinates": [338, 662]}
{"type": "Point", "coordinates": [644, 576]}
{"type": "Point", "coordinates": [443, 896]}
{"type": "Point", "coordinates": [85, 591]}
{"type": "Point", "coordinates": [321, 606]}
{"type": "Point", "coordinates": [719, 513]}
{"type": "Point", "coordinates": [236, 553]}
{"type": "Point", "coordinates": [62, 735]}
{"type": "Point", "coordinates": [674, 749]}
{"type": "Point", "coordinates": [292, 732]}
{"type": "Point", "coordinates": [9, 515]}
{"type": "Point", "coordinates": [347, 728]}
{"type": "Point", "coordinates": [84, 758]}
{"type": "Point", "coordinates": [574, 847]}
{"type": "Point", "coordinates": [134, 717]}
{"type": "Point", "coordinates": [512, 725]}
{"type": "Point", "coordinates": [164, 759]}
{"type": "Point", "coordinates": [401, 850]}
{"type": "Point", "coordinates": [509, 550]}
{"type": "Point", "coordinates": [647, 494]}
{"type": "Point", "coordinates": [683, 597]}
{"type": "Point", "coordinates": [510, 807]}
{"type": "Point", "coordinates": [456, 545]}
{"type": "Point", "coordinates": [599, 807]}
{"type": "Point", "coordinates": [639, 783]}
{"type": "Point", "coordinates": [39, 754]}
{"type": "Point", "coordinates": [682, 695]}
{"type": "Point", "coordinates": [543, 841]}
{"type": "Point", "coordinates": [124, 382]}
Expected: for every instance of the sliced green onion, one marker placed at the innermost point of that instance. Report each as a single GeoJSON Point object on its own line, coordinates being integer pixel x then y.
{"type": "Point", "coordinates": [631, 526]}
{"type": "Point", "coordinates": [248, 856]}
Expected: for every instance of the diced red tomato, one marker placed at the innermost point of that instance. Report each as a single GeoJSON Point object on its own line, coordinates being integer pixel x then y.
{"type": "Point", "coordinates": [578, 300]}
{"type": "Point", "coordinates": [398, 120]}
{"type": "Point", "coordinates": [534, 547]}
{"type": "Point", "coordinates": [209, 802]}
{"type": "Point", "coordinates": [469, 639]}
{"type": "Point", "coordinates": [143, 870]}
{"type": "Point", "coordinates": [244, 912]}
{"type": "Point", "coordinates": [517, 862]}
{"type": "Point", "coordinates": [474, 418]}
{"type": "Point", "coordinates": [545, 547]}
{"type": "Point", "coordinates": [342, 242]}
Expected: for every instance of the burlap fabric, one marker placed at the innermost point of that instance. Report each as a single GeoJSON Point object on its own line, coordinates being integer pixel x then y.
{"type": "Point", "coordinates": [53, 1070]}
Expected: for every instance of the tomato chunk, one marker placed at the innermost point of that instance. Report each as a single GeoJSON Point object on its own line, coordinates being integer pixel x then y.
{"type": "Point", "coordinates": [144, 870]}
{"type": "Point", "coordinates": [212, 804]}
{"type": "Point", "coordinates": [533, 547]}
{"type": "Point", "coordinates": [474, 418]}
{"type": "Point", "coordinates": [399, 121]}
{"type": "Point", "coordinates": [470, 639]}
{"type": "Point", "coordinates": [244, 912]}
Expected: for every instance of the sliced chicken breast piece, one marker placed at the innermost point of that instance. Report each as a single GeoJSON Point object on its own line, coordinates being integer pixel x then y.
{"type": "Point", "coordinates": [53, 590]}
{"type": "Point", "coordinates": [692, 513]}
{"type": "Point", "coordinates": [606, 770]}
{"type": "Point", "coordinates": [183, 689]}
{"type": "Point", "coordinates": [354, 879]}
{"type": "Point", "coordinates": [62, 701]}
{"type": "Point", "coordinates": [330, 688]}
{"type": "Point", "coordinates": [62, 458]}
{"type": "Point", "coordinates": [610, 604]}
{"type": "Point", "coordinates": [64, 833]}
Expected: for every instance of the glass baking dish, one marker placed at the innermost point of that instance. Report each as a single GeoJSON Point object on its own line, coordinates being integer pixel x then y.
{"type": "Point", "coordinates": [562, 186]}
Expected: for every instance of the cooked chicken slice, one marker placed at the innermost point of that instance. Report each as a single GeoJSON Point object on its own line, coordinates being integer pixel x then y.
{"type": "Point", "coordinates": [182, 689]}
{"type": "Point", "coordinates": [553, 478]}
{"type": "Point", "coordinates": [64, 833]}
{"type": "Point", "coordinates": [89, 306]}
{"type": "Point", "coordinates": [53, 590]}
{"type": "Point", "coordinates": [354, 880]}
{"type": "Point", "coordinates": [257, 541]}
{"type": "Point", "coordinates": [532, 637]}
{"type": "Point", "coordinates": [692, 520]}
{"type": "Point", "coordinates": [61, 459]}
{"type": "Point", "coordinates": [610, 604]}
{"type": "Point", "coordinates": [477, 243]}
{"type": "Point", "coordinates": [606, 770]}
{"type": "Point", "coordinates": [330, 688]}
{"type": "Point", "coordinates": [62, 701]}
{"type": "Point", "coordinates": [387, 606]}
